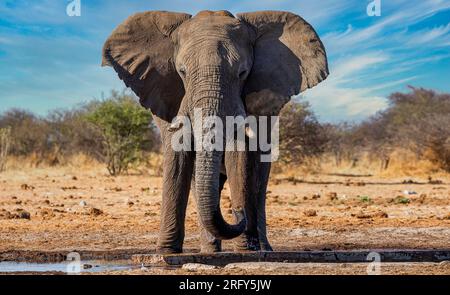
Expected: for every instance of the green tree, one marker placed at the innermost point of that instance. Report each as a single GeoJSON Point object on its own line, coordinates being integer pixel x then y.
{"type": "Point", "coordinates": [125, 129]}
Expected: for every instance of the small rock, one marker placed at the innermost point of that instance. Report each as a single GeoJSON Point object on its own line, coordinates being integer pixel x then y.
{"type": "Point", "coordinates": [22, 214]}
{"type": "Point", "coordinates": [130, 203]}
{"type": "Point", "coordinates": [87, 266]}
{"type": "Point", "coordinates": [95, 212]}
{"type": "Point", "coordinates": [362, 215]}
{"type": "Point", "coordinates": [26, 187]}
{"type": "Point", "coordinates": [310, 213]}
{"type": "Point", "coordinates": [198, 266]}
{"type": "Point", "coordinates": [267, 266]}
{"type": "Point", "coordinates": [332, 196]}
{"type": "Point", "coordinates": [381, 214]}
{"type": "Point", "coordinates": [83, 203]}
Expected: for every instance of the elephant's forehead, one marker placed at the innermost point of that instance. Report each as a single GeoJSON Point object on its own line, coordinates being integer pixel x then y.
{"type": "Point", "coordinates": [199, 25]}
{"type": "Point", "coordinates": [214, 13]}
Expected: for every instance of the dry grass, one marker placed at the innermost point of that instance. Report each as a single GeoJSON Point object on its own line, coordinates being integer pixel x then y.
{"type": "Point", "coordinates": [152, 166]}
{"type": "Point", "coordinates": [402, 164]}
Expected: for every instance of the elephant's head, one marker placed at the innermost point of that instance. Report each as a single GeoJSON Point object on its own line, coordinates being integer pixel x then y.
{"type": "Point", "coordinates": [224, 65]}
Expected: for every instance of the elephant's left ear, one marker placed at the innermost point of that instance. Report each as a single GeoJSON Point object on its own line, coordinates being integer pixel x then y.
{"type": "Point", "coordinates": [141, 52]}
{"type": "Point", "coordinates": [289, 58]}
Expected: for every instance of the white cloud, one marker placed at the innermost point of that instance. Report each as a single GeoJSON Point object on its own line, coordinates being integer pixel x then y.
{"type": "Point", "coordinates": [338, 99]}
{"type": "Point", "coordinates": [435, 36]}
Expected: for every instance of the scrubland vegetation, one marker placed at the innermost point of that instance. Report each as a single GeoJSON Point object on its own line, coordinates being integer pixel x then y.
{"type": "Point", "coordinates": [411, 135]}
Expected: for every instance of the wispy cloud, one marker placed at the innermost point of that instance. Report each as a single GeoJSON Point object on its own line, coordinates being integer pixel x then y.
{"type": "Point", "coordinates": [438, 36]}
{"type": "Point", "coordinates": [337, 100]}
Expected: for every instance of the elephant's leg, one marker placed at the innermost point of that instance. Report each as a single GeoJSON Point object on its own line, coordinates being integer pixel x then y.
{"type": "Point", "coordinates": [263, 179]}
{"type": "Point", "coordinates": [208, 243]}
{"type": "Point", "coordinates": [241, 187]}
{"type": "Point", "coordinates": [176, 184]}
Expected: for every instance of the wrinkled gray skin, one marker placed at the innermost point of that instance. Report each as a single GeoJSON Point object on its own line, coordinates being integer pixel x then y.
{"type": "Point", "coordinates": [250, 64]}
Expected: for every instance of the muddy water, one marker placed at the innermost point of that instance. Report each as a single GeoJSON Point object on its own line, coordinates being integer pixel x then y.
{"type": "Point", "coordinates": [91, 266]}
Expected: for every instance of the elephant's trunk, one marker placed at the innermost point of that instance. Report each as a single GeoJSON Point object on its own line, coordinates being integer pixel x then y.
{"type": "Point", "coordinates": [207, 169]}
{"type": "Point", "coordinates": [209, 96]}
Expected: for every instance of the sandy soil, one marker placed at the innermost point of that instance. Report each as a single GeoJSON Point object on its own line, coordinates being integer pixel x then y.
{"type": "Point", "coordinates": [65, 209]}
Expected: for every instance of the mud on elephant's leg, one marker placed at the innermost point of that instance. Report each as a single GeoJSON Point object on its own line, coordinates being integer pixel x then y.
{"type": "Point", "coordinates": [208, 243]}
{"type": "Point", "coordinates": [176, 184]}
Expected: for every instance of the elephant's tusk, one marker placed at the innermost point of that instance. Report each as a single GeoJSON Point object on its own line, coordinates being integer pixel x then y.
{"type": "Point", "coordinates": [249, 132]}
{"type": "Point", "coordinates": [176, 125]}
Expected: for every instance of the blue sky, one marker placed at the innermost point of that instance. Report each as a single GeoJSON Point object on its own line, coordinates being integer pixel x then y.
{"type": "Point", "coordinates": [50, 60]}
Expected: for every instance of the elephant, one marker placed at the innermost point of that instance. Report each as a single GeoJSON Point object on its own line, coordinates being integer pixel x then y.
{"type": "Point", "coordinates": [223, 65]}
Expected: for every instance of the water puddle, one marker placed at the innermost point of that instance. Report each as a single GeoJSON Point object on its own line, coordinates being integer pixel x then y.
{"type": "Point", "coordinates": [91, 266]}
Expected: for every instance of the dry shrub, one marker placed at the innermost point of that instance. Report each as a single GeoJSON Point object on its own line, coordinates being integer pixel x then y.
{"type": "Point", "coordinates": [302, 137]}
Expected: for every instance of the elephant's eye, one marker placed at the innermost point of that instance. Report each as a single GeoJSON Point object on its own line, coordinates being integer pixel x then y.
{"type": "Point", "coordinates": [243, 74]}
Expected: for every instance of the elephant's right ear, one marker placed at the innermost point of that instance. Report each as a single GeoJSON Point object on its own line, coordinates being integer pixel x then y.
{"type": "Point", "coordinates": [289, 57]}
{"type": "Point", "coordinates": [141, 52]}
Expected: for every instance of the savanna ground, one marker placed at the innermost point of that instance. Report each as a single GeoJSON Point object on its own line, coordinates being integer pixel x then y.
{"type": "Point", "coordinates": [82, 208]}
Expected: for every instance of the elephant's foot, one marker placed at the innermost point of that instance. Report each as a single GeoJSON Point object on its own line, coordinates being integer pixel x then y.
{"type": "Point", "coordinates": [264, 243]}
{"type": "Point", "coordinates": [246, 243]}
{"type": "Point", "coordinates": [211, 247]}
{"type": "Point", "coordinates": [266, 247]}
{"type": "Point", "coordinates": [208, 243]}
